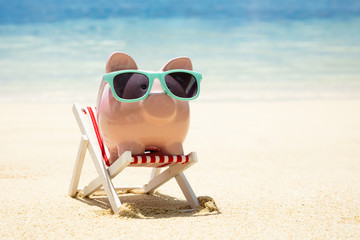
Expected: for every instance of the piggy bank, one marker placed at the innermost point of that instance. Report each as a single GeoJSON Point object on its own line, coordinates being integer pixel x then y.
{"type": "Point", "coordinates": [139, 110]}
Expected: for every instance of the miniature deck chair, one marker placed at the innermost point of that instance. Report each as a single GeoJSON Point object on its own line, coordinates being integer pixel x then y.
{"type": "Point", "coordinates": [91, 141]}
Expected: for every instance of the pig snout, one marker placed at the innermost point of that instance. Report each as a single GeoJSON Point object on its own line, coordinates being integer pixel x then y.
{"type": "Point", "coordinates": [159, 106]}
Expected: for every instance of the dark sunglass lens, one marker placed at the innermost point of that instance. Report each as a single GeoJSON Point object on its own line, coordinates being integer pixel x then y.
{"type": "Point", "coordinates": [182, 84]}
{"type": "Point", "coordinates": [131, 85]}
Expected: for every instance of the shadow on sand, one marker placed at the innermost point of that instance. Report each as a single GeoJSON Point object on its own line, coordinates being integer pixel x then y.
{"type": "Point", "coordinates": [136, 204]}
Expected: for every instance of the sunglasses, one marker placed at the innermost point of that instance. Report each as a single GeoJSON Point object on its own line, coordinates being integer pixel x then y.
{"type": "Point", "coordinates": [135, 85]}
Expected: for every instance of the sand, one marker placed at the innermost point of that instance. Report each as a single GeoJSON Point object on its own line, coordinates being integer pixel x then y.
{"type": "Point", "coordinates": [276, 170]}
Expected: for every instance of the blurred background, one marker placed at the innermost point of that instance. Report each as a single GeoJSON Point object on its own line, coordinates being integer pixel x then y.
{"type": "Point", "coordinates": [250, 50]}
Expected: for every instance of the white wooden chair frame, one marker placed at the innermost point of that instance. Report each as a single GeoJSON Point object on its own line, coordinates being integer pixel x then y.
{"type": "Point", "coordinates": [106, 174]}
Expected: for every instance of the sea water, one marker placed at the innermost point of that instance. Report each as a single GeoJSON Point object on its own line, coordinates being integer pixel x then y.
{"type": "Point", "coordinates": [293, 57]}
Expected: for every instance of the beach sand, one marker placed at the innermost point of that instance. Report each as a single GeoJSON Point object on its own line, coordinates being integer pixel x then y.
{"type": "Point", "coordinates": [276, 170]}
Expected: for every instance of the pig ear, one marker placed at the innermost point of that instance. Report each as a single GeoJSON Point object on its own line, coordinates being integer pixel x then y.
{"type": "Point", "coordinates": [120, 61]}
{"type": "Point", "coordinates": [178, 63]}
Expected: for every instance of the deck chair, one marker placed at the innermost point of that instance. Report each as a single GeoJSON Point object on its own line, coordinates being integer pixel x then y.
{"type": "Point", "coordinates": [91, 140]}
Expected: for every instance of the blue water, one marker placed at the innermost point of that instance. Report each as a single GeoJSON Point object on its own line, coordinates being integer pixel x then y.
{"type": "Point", "coordinates": [24, 11]}
{"type": "Point", "coordinates": [55, 51]}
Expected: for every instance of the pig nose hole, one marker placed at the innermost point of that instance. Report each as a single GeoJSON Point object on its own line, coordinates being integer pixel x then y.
{"type": "Point", "coordinates": [143, 87]}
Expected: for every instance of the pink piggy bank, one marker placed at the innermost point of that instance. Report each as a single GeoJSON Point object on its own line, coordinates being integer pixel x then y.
{"type": "Point", "coordinates": [139, 110]}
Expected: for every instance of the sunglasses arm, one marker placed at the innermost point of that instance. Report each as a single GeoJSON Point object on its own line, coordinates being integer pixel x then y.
{"type": "Point", "coordinates": [100, 93]}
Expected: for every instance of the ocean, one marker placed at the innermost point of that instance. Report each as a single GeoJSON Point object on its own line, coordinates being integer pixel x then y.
{"type": "Point", "coordinates": [55, 51]}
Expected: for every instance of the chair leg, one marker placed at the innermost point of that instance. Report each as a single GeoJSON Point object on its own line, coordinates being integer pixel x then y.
{"type": "Point", "coordinates": [165, 176]}
{"type": "Point", "coordinates": [78, 165]}
{"type": "Point", "coordinates": [187, 190]}
{"type": "Point", "coordinates": [154, 173]}
{"type": "Point", "coordinates": [111, 193]}
{"type": "Point", "coordinates": [118, 166]}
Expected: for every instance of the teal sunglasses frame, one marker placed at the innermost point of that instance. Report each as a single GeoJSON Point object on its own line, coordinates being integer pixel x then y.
{"type": "Point", "coordinates": [109, 78]}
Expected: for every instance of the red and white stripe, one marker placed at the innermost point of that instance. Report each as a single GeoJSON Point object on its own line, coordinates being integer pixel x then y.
{"type": "Point", "coordinates": [158, 160]}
